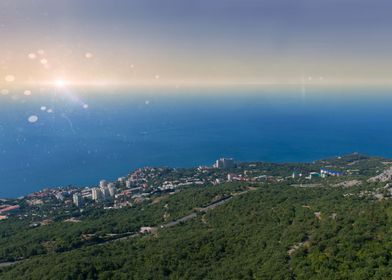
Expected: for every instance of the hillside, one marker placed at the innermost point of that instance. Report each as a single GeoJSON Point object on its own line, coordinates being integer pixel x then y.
{"type": "Point", "coordinates": [280, 229]}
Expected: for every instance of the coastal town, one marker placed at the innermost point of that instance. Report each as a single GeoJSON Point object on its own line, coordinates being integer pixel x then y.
{"type": "Point", "coordinates": [143, 184]}
{"type": "Point", "coordinates": [152, 200]}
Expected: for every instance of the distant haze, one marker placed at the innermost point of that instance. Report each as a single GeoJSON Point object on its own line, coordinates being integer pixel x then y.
{"type": "Point", "coordinates": [176, 42]}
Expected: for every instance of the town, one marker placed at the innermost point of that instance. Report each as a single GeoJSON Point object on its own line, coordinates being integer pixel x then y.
{"type": "Point", "coordinates": [140, 185]}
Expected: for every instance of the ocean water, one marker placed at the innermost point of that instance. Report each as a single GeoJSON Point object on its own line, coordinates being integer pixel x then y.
{"type": "Point", "coordinates": [121, 131]}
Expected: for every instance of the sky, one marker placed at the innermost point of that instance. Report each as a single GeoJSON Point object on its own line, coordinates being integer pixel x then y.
{"type": "Point", "coordinates": [177, 42]}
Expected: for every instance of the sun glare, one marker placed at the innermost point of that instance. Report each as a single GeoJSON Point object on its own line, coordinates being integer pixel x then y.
{"type": "Point", "coordinates": [59, 83]}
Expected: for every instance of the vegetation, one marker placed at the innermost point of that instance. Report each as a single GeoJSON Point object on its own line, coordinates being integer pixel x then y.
{"type": "Point", "coordinates": [19, 240]}
{"type": "Point", "coordinates": [273, 232]}
{"type": "Point", "coordinates": [284, 228]}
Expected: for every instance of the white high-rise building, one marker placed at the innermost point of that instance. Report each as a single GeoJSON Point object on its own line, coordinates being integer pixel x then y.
{"type": "Point", "coordinates": [102, 184]}
{"type": "Point", "coordinates": [128, 184]}
{"type": "Point", "coordinates": [78, 200]}
{"type": "Point", "coordinates": [96, 194]}
{"type": "Point", "coordinates": [112, 189]}
{"type": "Point", "coordinates": [224, 163]}
{"type": "Point", "coordinates": [105, 192]}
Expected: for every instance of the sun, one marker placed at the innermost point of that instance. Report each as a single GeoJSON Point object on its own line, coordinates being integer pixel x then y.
{"type": "Point", "coordinates": [60, 83]}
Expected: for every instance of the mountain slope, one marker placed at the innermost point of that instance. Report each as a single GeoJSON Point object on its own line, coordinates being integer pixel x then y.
{"type": "Point", "coordinates": [274, 232]}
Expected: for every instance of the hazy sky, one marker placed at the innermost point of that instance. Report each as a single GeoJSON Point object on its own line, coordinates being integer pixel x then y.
{"type": "Point", "coordinates": [195, 41]}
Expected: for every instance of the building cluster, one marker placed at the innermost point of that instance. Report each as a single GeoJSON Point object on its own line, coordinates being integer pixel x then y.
{"type": "Point", "coordinates": [6, 210]}
{"type": "Point", "coordinates": [105, 191]}
{"type": "Point", "coordinates": [224, 163]}
{"type": "Point", "coordinates": [324, 173]}
{"type": "Point", "coordinates": [142, 184]}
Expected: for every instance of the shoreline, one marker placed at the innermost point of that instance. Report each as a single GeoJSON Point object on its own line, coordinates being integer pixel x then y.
{"type": "Point", "coordinates": [5, 199]}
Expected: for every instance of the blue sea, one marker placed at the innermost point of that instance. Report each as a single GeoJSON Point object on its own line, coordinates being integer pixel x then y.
{"type": "Point", "coordinates": [119, 131]}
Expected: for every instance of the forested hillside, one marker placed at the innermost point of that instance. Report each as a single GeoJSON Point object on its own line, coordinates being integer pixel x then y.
{"type": "Point", "coordinates": [271, 231]}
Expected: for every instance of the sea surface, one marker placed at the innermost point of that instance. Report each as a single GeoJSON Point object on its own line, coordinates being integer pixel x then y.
{"type": "Point", "coordinates": [78, 137]}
